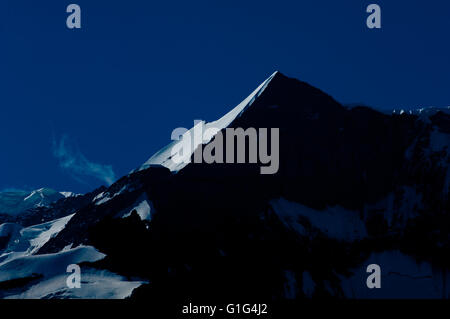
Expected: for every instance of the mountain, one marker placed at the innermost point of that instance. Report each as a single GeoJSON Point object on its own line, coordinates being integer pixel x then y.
{"type": "Point", "coordinates": [354, 187]}
{"type": "Point", "coordinates": [163, 156]}
{"type": "Point", "coordinates": [26, 274]}
{"type": "Point", "coordinates": [13, 203]}
{"type": "Point", "coordinates": [38, 206]}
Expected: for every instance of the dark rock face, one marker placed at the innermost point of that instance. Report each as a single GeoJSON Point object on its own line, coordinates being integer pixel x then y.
{"type": "Point", "coordinates": [117, 198]}
{"type": "Point", "coordinates": [216, 232]}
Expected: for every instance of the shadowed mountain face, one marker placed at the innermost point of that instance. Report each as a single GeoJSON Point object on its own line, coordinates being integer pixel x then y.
{"type": "Point", "coordinates": [329, 155]}
{"type": "Point", "coordinates": [354, 187]}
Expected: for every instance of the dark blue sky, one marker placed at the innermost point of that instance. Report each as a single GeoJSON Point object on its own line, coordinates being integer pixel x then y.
{"type": "Point", "coordinates": [73, 101]}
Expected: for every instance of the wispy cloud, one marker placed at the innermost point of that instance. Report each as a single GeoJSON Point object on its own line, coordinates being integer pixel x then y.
{"type": "Point", "coordinates": [77, 165]}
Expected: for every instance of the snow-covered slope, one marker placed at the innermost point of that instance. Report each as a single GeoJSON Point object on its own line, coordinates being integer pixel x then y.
{"type": "Point", "coordinates": [401, 277]}
{"type": "Point", "coordinates": [46, 265]}
{"type": "Point", "coordinates": [334, 222]}
{"type": "Point", "coordinates": [46, 277]}
{"type": "Point", "coordinates": [97, 284]}
{"type": "Point", "coordinates": [26, 241]}
{"type": "Point", "coordinates": [24, 274]}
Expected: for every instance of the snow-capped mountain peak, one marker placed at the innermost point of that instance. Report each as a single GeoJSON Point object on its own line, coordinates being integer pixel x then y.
{"type": "Point", "coordinates": [16, 202]}
{"type": "Point", "coordinates": [163, 156]}
{"type": "Point", "coordinates": [355, 186]}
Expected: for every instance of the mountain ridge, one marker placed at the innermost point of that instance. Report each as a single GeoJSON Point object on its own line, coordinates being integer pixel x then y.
{"type": "Point", "coordinates": [354, 185]}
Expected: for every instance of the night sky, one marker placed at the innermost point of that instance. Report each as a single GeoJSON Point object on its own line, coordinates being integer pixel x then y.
{"type": "Point", "coordinates": [81, 107]}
